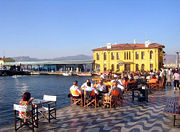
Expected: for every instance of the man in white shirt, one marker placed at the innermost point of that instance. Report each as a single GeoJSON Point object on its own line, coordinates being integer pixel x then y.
{"type": "Point", "coordinates": [85, 84]}
{"type": "Point", "coordinates": [89, 88]}
{"type": "Point", "coordinates": [75, 91]}
{"type": "Point", "coordinates": [101, 87]}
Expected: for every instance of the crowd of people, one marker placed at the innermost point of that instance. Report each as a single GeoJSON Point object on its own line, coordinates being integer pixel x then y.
{"type": "Point", "coordinates": [107, 84]}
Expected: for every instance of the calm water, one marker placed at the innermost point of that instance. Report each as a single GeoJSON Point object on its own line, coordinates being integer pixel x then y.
{"type": "Point", "coordinates": [12, 88]}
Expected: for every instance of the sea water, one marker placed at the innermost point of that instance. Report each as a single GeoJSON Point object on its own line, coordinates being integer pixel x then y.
{"type": "Point", "coordinates": [13, 87]}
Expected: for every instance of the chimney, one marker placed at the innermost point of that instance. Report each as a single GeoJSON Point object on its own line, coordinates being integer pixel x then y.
{"type": "Point", "coordinates": [108, 45]}
{"type": "Point", "coordinates": [134, 41]}
{"type": "Point", "coordinates": [147, 43]}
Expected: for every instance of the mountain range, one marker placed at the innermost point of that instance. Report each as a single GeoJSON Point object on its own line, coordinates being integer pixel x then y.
{"type": "Point", "coordinates": [169, 59]}
{"type": "Point", "coordinates": [76, 57]}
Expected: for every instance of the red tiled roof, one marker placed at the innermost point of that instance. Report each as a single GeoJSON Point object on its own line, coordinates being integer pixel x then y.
{"type": "Point", "coordinates": [131, 46]}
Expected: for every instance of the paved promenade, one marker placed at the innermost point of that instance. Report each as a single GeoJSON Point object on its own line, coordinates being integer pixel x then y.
{"type": "Point", "coordinates": [131, 117]}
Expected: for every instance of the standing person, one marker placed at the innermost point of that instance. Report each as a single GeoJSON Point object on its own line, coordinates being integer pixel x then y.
{"type": "Point", "coordinates": [176, 78]}
{"type": "Point", "coordinates": [169, 77]}
{"type": "Point", "coordinates": [75, 91]}
{"type": "Point", "coordinates": [26, 101]}
{"type": "Point", "coordinates": [165, 79]}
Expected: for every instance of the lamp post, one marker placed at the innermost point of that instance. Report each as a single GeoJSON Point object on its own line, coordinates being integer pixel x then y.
{"type": "Point", "coordinates": [177, 59]}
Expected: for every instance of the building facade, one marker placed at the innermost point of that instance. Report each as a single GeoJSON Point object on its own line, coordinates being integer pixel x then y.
{"type": "Point", "coordinates": [128, 57]}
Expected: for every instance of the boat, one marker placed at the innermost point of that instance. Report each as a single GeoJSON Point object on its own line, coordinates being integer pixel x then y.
{"type": "Point", "coordinates": [67, 74]}
{"type": "Point", "coordinates": [84, 74]}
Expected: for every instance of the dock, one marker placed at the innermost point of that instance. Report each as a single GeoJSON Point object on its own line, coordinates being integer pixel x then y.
{"type": "Point", "coordinates": [131, 116]}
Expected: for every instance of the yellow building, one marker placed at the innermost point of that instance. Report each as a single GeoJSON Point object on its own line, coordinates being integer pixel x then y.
{"type": "Point", "coordinates": [128, 57]}
{"type": "Point", "coordinates": [1, 63]}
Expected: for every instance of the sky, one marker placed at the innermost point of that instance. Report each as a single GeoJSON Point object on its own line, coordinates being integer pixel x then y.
{"type": "Point", "coordinates": [56, 28]}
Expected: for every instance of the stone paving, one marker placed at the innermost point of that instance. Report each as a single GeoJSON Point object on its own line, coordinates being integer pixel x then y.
{"type": "Point", "coordinates": [130, 117]}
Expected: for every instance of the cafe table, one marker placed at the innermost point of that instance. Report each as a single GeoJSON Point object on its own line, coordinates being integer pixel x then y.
{"type": "Point", "coordinates": [38, 103]}
{"type": "Point", "coordinates": [172, 108]}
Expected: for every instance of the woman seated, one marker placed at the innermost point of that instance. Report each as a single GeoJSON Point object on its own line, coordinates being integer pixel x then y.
{"type": "Point", "coordinates": [26, 101]}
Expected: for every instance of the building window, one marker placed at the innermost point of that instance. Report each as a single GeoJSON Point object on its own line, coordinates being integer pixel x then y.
{"type": "Point", "coordinates": [117, 55]}
{"type": "Point", "coordinates": [117, 67]}
{"type": "Point", "coordinates": [137, 55]}
{"type": "Point", "coordinates": [142, 67]}
{"type": "Point", "coordinates": [97, 67]}
{"type": "Point", "coordinates": [112, 67]}
{"type": "Point", "coordinates": [97, 56]}
{"type": "Point", "coordinates": [151, 66]}
{"type": "Point", "coordinates": [137, 67]}
{"type": "Point", "coordinates": [105, 56]}
{"type": "Point", "coordinates": [105, 68]}
{"type": "Point", "coordinates": [112, 56]}
{"type": "Point", "coordinates": [151, 54]}
{"type": "Point", "coordinates": [124, 55]}
{"type": "Point", "coordinates": [142, 55]}
{"type": "Point", "coordinates": [129, 55]}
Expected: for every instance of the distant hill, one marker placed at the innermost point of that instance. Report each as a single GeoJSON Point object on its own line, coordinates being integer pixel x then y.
{"type": "Point", "coordinates": [77, 57]}
{"type": "Point", "coordinates": [169, 59]}
{"type": "Point", "coordinates": [25, 58]}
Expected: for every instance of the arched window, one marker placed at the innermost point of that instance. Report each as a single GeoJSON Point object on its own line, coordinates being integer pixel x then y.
{"type": "Point", "coordinates": [142, 67]}
{"type": "Point", "coordinates": [137, 55]}
{"type": "Point", "coordinates": [97, 56]}
{"type": "Point", "coordinates": [129, 55]}
{"type": "Point", "coordinates": [105, 56]}
{"type": "Point", "coordinates": [112, 67]}
{"type": "Point", "coordinates": [105, 68]}
{"type": "Point", "coordinates": [137, 67]}
{"type": "Point", "coordinates": [117, 67]}
{"type": "Point", "coordinates": [97, 67]}
{"type": "Point", "coordinates": [151, 55]}
{"type": "Point", "coordinates": [142, 55]}
{"type": "Point", "coordinates": [117, 55]}
{"type": "Point", "coordinates": [112, 56]}
{"type": "Point", "coordinates": [124, 55]}
{"type": "Point", "coordinates": [151, 66]}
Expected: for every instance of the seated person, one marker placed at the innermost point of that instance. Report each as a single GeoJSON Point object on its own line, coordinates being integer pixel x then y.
{"type": "Point", "coordinates": [89, 88]}
{"type": "Point", "coordinates": [153, 79]}
{"type": "Point", "coordinates": [125, 82]}
{"type": "Point", "coordinates": [101, 87]}
{"type": "Point", "coordinates": [114, 87]}
{"type": "Point", "coordinates": [26, 100]}
{"type": "Point", "coordinates": [85, 84]}
{"type": "Point", "coordinates": [120, 83]}
{"type": "Point", "coordinates": [102, 76]}
{"type": "Point", "coordinates": [75, 91]}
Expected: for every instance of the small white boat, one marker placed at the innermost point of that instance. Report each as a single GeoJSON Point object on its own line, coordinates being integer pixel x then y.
{"type": "Point", "coordinates": [67, 74]}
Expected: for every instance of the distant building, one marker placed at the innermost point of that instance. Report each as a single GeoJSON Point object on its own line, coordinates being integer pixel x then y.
{"type": "Point", "coordinates": [3, 60]}
{"type": "Point", "coordinates": [129, 57]}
